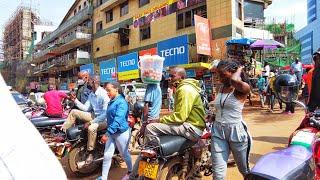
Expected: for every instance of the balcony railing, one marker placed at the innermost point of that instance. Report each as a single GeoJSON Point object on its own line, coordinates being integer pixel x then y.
{"type": "Point", "coordinates": [70, 23]}
{"type": "Point", "coordinates": [64, 62]}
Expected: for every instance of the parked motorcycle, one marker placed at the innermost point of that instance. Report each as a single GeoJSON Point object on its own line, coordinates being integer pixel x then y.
{"type": "Point", "coordinates": [301, 159]}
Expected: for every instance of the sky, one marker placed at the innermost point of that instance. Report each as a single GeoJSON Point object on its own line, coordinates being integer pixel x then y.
{"type": "Point", "coordinates": [293, 11]}
{"type": "Point", "coordinates": [54, 10]}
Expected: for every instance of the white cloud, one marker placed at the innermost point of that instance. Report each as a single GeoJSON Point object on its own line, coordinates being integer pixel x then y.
{"type": "Point", "coordinates": [292, 11]}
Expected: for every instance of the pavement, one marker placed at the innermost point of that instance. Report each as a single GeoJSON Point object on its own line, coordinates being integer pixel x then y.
{"type": "Point", "coordinates": [270, 132]}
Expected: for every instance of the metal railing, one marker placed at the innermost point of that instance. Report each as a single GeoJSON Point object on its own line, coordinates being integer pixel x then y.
{"type": "Point", "coordinates": [72, 22]}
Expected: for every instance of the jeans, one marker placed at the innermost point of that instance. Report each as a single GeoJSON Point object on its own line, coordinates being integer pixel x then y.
{"type": "Point", "coordinates": [299, 76]}
{"type": "Point", "coordinates": [121, 140]}
{"type": "Point", "coordinates": [171, 103]}
{"type": "Point", "coordinates": [262, 98]}
{"type": "Point", "coordinates": [226, 138]}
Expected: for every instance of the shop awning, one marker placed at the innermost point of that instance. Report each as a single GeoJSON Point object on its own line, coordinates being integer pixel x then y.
{"type": "Point", "coordinates": [200, 65]}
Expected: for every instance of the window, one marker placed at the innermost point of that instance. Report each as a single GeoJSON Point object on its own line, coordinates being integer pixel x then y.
{"type": "Point", "coordinates": [79, 8]}
{"type": "Point", "coordinates": [109, 16]}
{"type": "Point", "coordinates": [85, 4]}
{"type": "Point", "coordinates": [238, 9]}
{"type": "Point", "coordinates": [99, 26]}
{"type": "Point", "coordinates": [124, 8]}
{"type": "Point", "coordinates": [143, 2]}
{"type": "Point", "coordinates": [34, 35]}
{"type": "Point", "coordinates": [99, 2]}
{"type": "Point", "coordinates": [145, 32]}
{"type": "Point", "coordinates": [185, 18]}
{"type": "Point", "coordinates": [75, 12]}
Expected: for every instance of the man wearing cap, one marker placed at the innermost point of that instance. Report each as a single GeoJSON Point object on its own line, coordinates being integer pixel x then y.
{"type": "Point", "coordinates": [313, 83]}
{"type": "Point", "coordinates": [296, 68]}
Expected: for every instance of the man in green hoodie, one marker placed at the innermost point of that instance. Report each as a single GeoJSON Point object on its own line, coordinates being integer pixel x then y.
{"type": "Point", "coordinates": [188, 118]}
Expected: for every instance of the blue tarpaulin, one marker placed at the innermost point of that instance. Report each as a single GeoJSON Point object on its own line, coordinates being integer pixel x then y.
{"type": "Point", "coordinates": [242, 41]}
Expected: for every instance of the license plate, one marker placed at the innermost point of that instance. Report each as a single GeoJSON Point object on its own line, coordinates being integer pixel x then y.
{"type": "Point", "coordinates": [149, 170]}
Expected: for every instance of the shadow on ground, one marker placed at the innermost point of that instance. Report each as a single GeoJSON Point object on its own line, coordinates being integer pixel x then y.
{"type": "Point", "coordinates": [271, 139]}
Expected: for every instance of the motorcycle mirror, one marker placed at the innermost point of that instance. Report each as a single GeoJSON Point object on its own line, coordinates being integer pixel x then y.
{"type": "Point", "coordinates": [299, 103]}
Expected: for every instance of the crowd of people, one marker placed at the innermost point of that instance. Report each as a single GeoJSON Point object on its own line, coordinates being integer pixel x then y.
{"type": "Point", "coordinates": [105, 107]}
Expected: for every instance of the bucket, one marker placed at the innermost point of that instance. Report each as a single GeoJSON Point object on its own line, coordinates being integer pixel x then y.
{"type": "Point", "coordinates": [151, 68]}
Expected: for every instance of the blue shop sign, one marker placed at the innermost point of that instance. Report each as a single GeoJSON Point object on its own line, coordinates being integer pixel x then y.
{"type": "Point", "coordinates": [128, 66]}
{"type": "Point", "coordinates": [88, 67]}
{"type": "Point", "coordinates": [175, 51]}
{"type": "Point", "coordinates": [108, 70]}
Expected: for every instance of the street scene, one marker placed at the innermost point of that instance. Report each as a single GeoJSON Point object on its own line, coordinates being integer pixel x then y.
{"type": "Point", "coordinates": [163, 90]}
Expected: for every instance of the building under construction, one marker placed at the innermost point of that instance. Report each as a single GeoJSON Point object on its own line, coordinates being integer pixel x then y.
{"type": "Point", "coordinates": [17, 35]}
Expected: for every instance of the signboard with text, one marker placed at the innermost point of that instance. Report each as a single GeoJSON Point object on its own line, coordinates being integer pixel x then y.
{"type": "Point", "coordinates": [108, 70]}
{"type": "Point", "coordinates": [203, 38]}
{"type": "Point", "coordinates": [88, 67]}
{"type": "Point", "coordinates": [175, 51]}
{"type": "Point", "coordinates": [128, 66]}
{"type": "Point", "coordinates": [151, 51]}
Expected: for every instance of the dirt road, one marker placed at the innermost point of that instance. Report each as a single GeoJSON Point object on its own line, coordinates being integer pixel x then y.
{"type": "Point", "coordinates": [270, 132]}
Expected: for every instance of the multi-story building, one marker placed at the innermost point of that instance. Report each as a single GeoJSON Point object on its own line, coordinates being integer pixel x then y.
{"type": "Point", "coordinates": [17, 40]}
{"type": "Point", "coordinates": [309, 36]}
{"type": "Point", "coordinates": [121, 27]}
{"type": "Point", "coordinates": [58, 56]}
{"type": "Point", "coordinates": [254, 19]}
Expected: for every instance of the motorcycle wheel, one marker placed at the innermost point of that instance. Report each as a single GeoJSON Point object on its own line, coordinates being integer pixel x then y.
{"type": "Point", "coordinates": [171, 170]}
{"type": "Point", "coordinates": [78, 154]}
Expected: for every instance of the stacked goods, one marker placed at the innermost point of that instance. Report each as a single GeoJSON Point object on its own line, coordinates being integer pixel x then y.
{"type": "Point", "coordinates": [151, 68]}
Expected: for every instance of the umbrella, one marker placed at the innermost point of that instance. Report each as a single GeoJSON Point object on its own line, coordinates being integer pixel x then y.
{"type": "Point", "coordinates": [266, 44]}
{"type": "Point", "coordinates": [241, 41]}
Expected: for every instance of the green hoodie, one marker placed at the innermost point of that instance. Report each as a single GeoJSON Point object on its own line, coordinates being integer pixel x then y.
{"type": "Point", "coordinates": [188, 105]}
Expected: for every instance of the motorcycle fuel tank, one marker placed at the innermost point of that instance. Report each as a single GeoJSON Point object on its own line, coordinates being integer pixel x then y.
{"type": "Point", "coordinates": [293, 162]}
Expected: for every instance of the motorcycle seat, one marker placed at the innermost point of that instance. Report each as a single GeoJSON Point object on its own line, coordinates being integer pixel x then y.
{"type": "Point", "coordinates": [46, 121]}
{"type": "Point", "coordinates": [172, 144]}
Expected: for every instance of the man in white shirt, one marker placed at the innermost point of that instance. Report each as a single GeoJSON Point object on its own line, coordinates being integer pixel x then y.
{"type": "Point", "coordinates": [296, 68]}
{"type": "Point", "coordinates": [266, 71]}
{"type": "Point", "coordinates": [93, 113]}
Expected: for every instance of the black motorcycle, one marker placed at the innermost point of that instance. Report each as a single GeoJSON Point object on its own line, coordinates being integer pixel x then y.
{"type": "Point", "coordinates": [78, 137]}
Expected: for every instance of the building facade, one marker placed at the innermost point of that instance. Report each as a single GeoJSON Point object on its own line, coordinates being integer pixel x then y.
{"type": "Point", "coordinates": [121, 27]}
{"type": "Point", "coordinates": [58, 56]}
{"type": "Point", "coordinates": [309, 36]}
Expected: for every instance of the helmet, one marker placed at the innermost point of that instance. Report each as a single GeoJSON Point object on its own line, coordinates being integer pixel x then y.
{"type": "Point", "coordinates": [286, 87]}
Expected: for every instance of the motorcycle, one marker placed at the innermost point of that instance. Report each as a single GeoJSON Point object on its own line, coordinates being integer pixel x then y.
{"type": "Point", "coordinates": [77, 136]}
{"type": "Point", "coordinates": [300, 160]}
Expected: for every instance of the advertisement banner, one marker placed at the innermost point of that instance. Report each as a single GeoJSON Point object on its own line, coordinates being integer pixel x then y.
{"type": "Point", "coordinates": [88, 67]}
{"type": "Point", "coordinates": [107, 70]}
{"type": "Point", "coordinates": [164, 9]}
{"type": "Point", "coordinates": [203, 38]}
{"type": "Point", "coordinates": [152, 51]}
{"type": "Point", "coordinates": [175, 51]}
{"type": "Point", "coordinates": [128, 66]}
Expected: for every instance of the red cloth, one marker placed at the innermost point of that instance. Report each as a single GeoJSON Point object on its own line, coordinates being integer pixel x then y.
{"type": "Point", "coordinates": [53, 100]}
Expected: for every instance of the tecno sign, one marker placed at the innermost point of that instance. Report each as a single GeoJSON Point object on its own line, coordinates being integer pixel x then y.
{"type": "Point", "coordinates": [172, 51]}
{"type": "Point", "coordinates": [175, 51]}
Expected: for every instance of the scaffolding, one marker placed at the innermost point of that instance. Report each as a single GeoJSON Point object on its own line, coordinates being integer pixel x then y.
{"type": "Point", "coordinates": [17, 34]}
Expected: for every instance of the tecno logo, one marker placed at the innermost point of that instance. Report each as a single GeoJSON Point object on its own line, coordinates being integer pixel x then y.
{"type": "Point", "coordinates": [108, 71]}
{"type": "Point", "coordinates": [173, 51]}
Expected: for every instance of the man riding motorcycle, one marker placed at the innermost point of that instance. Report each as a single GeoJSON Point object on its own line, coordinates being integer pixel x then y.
{"type": "Point", "coordinates": [188, 118]}
{"type": "Point", "coordinates": [93, 113]}
{"type": "Point", "coordinates": [83, 91]}
{"type": "Point", "coordinates": [53, 99]}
